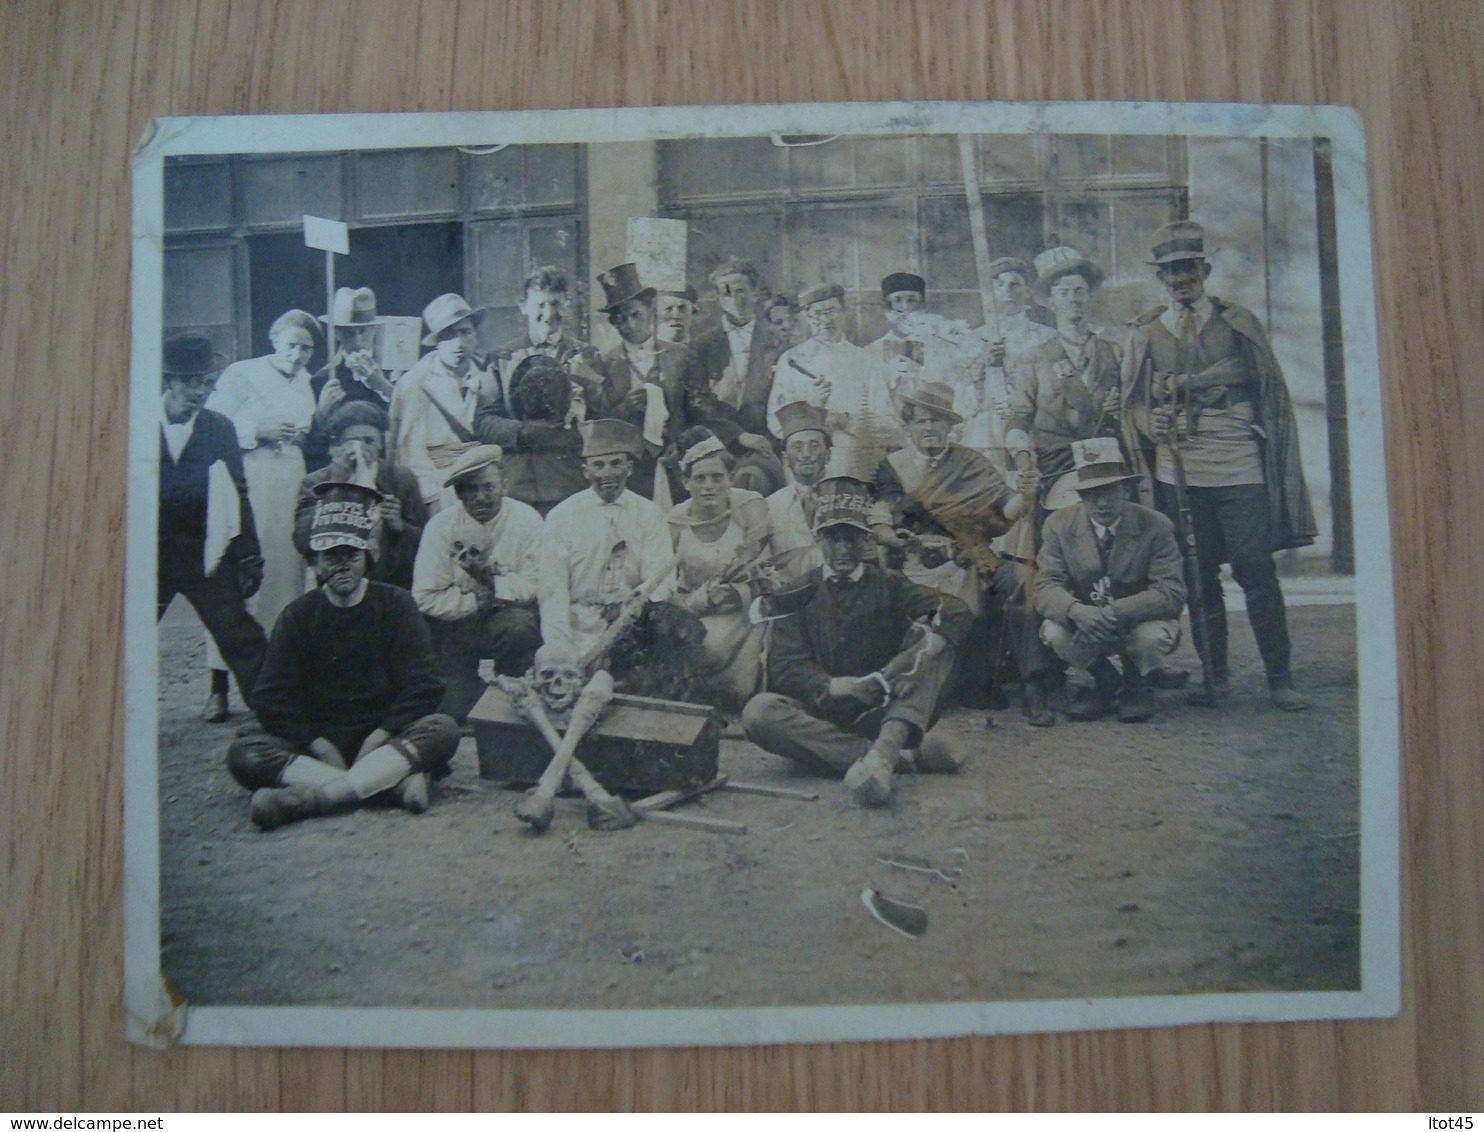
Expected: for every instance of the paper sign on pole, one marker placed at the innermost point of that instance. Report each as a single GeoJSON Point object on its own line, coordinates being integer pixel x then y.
{"type": "Point", "coordinates": [657, 248]}
{"type": "Point", "coordinates": [327, 235]}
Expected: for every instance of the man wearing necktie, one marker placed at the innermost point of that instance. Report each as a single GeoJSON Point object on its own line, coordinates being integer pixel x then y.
{"type": "Point", "coordinates": [857, 673]}
{"type": "Point", "coordinates": [1199, 374]}
{"type": "Point", "coordinates": [1109, 584]}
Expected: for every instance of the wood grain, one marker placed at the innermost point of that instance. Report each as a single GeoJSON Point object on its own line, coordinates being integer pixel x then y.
{"type": "Point", "coordinates": [81, 80]}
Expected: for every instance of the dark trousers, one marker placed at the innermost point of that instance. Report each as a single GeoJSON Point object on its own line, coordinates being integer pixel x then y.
{"type": "Point", "coordinates": [220, 604]}
{"type": "Point", "coordinates": [1014, 588]}
{"type": "Point", "coordinates": [509, 636]}
{"type": "Point", "coordinates": [1232, 524]}
{"type": "Point", "coordinates": [257, 759]}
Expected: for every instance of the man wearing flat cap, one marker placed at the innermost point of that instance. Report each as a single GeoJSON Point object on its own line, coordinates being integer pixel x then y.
{"type": "Point", "coordinates": [657, 387]}
{"type": "Point", "coordinates": [435, 402]}
{"type": "Point", "coordinates": [945, 504]}
{"type": "Point", "coordinates": [856, 675]}
{"type": "Point", "coordinates": [1199, 374]}
{"type": "Point", "coordinates": [355, 374]}
{"type": "Point", "coordinates": [208, 539]}
{"type": "Point", "coordinates": [847, 382]}
{"type": "Point", "coordinates": [602, 549]}
{"type": "Point", "coordinates": [476, 578]}
{"type": "Point", "coordinates": [356, 433]}
{"type": "Point", "coordinates": [347, 698]}
{"type": "Point", "coordinates": [1109, 584]}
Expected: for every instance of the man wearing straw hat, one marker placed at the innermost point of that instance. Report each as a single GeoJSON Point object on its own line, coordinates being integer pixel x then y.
{"type": "Point", "coordinates": [856, 675]}
{"type": "Point", "coordinates": [347, 698]}
{"type": "Point", "coordinates": [355, 373]}
{"type": "Point", "coordinates": [435, 402]}
{"type": "Point", "coordinates": [476, 577]}
{"type": "Point", "coordinates": [1200, 374]}
{"type": "Point", "coordinates": [1109, 583]}
{"type": "Point", "coordinates": [208, 540]}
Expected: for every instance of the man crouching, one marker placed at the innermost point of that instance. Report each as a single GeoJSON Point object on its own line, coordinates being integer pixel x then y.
{"type": "Point", "coordinates": [1109, 584]}
{"type": "Point", "coordinates": [856, 674]}
{"type": "Point", "coordinates": [348, 688]}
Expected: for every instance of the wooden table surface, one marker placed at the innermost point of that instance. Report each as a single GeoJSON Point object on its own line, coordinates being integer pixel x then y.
{"type": "Point", "coordinates": [81, 81]}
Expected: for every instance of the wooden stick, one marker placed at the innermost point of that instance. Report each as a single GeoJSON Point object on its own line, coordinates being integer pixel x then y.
{"type": "Point", "coordinates": [772, 791]}
{"type": "Point", "coordinates": [667, 798]}
{"type": "Point", "coordinates": [715, 825]}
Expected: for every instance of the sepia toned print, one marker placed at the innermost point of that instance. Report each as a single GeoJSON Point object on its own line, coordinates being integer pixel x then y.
{"type": "Point", "coordinates": [667, 577]}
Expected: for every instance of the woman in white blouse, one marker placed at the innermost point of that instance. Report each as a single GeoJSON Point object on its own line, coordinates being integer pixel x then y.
{"type": "Point", "coordinates": [270, 402]}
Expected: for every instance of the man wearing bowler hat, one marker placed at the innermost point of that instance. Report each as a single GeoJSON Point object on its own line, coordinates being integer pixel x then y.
{"type": "Point", "coordinates": [1109, 583]}
{"type": "Point", "coordinates": [348, 696]}
{"type": "Point", "coordinates": [1199, 374]}
{"type": "Point", "coordinates": [602, 549]}
{"type": "Point", "coordinates": [476, 577]}
{"type": "Point", "coordinates": [208, 539]}
{"type": "Point", "coordinates": [657, 387]}
{"type": "Point", "coordinates": [856, 675]}
{"type": "Point", "coordinates": [435, 402]}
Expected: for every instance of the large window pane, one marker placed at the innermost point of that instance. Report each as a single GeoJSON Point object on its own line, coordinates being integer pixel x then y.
{"type": "Point", "coordinates": [830, 165]}
{"type": "Point", "coordinates": [1140, 155]}
{"type": "Point", "coordinates": [198, 286]}
{"type": "Point", "coordinates": [882, 161]}
{"type": "Point", "coordinates": [939, 157]}
{"type": "Point", "coordinates": [1080, 156]}
{"type": "Point", "coordinates": [198, 196]}
{"type": "Point", "coordinates": [280, 190]}
{"type": "Point", "coordinates": [551, 174]}
{"type": "Point", "coordinates": [712, 167]}
{"type": "Point", "coordinates": [851, 245]}
{"type": "Point", "coordinates": [1008, 157]}
{"type": "Point", "coordinates": [497, 180]}
{"type": "Point", "coordinates": [411, 183]}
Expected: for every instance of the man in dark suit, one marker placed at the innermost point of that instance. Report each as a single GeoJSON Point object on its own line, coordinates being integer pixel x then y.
{"type": "Point", "coordinates": [208, 540]}
{"type": "Point", "coordinates": [1110, 583]}
{"type": "Point", "coordinates": [738, 358]}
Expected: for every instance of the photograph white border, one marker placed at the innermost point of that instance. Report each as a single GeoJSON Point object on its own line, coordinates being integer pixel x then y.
{"type": "Point", "coordinates": [153, 1014]}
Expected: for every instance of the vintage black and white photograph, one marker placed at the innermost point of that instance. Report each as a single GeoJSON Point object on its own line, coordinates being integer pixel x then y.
{"type": "Point", "coordinates": [747, 574]}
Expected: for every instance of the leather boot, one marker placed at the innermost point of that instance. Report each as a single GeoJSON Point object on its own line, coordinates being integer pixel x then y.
{"type": "Point", "coordinates": [1037, 704]}
{"type": "Point", "coordinates": [1136, 703]}
{"type": "Point", "coordinates": [282, 805]}
{"type": "Point", "coordinates": [869, 780]}
{"type": "Point", "coordinates": [938, 754]}
{"type": "Point", "coordinates": [1095, 702]}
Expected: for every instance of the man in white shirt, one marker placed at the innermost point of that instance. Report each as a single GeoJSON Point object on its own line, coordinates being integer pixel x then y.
{"type": "Point", "coordinates": [475, 579]}
{"type": "Point", "coordinates": [603, 548]}
{"type": "Point", "coordinates": [806, 451]}
{"type": "Point", "coordinates": [833, 373]}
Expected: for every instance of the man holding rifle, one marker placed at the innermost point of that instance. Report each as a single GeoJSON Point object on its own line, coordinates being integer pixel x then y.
{"type": "Point", "coordinates": [1205, 402]}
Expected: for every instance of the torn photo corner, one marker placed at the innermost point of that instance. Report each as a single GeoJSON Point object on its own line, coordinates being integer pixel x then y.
{"type": "Point", "coordinates": [529, 518]}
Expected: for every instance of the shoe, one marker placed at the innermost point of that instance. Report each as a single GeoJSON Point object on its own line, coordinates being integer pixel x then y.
{"type": "Point", "coordinates": [1201, 698]}
{"type": "Point", "coordinates": [274, 807]}
{"type": "Point", "coordinates": [1167, 679]}
{"type": "Point", "coordinates": [1136, 705]}
{"type": "Point", "coordinates": [1089, 705]}
{"type": "Point", "coordinates": [216, 710]}
{"type": "Point", "coordinates": [1037, 707]}
{"type": "Point", "coordinates": [938, 754]}
{"type": "Point", "coordinates": [869, 780]}
{"type": "Point", "coordinates": [1286, 697]}
{"type": "Point", "coordinates": [412, 793]}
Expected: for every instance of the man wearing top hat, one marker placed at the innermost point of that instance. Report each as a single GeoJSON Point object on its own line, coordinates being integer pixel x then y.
{"type": "Point", "coordinates": [347, 698]}
{"type": "Point", "coordinates": [1067, 388]}
{"type": "Point", "coordinates": [355, 374]}
{"type": "Point", "coordinates": [945, 504]}
{"type": "Point", "coordinates": [1199, 373]}
{"type": "Point", "coordinates": [656, 386]}
{"type": "Point", "coordinates": [1109, 583]}
{"type": "Point", "coordinates": [208, 539]}
{"type": "Point", "coordinates": [791, 509]}
{"type": "Point", "coordinates": [737, 358]}
{"type": "Point", "coordinates": [435, 402]}
{"type": "Point", "coordinates": [476, 578]}
{"type": "Point", "coordinates": [356, 433]}
{"type": "Point", "coordinates": [604, 548]}
{"type": "Point", "coordinates": [846, 381]}
{"type": "Point", "coordinates": [856, 675]}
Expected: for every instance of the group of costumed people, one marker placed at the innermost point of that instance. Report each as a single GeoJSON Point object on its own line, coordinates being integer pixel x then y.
{"type": "Point", "coordinates": [829, 542]}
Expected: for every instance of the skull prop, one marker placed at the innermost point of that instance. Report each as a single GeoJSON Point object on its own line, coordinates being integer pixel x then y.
{"type": "Point", "coordinates": [556, 679]}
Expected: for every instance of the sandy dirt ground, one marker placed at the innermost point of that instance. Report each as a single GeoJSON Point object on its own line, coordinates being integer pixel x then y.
{"type": "Point", "coordinates": [1204, 851]}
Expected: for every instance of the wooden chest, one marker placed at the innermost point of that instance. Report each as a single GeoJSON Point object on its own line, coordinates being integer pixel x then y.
{"type": "Point", "coordinates": [639, 746]}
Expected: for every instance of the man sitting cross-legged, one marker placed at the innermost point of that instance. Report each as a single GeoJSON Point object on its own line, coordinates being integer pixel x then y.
{"type": "Point", "coordinates": [347, 694]}
{"type": "Point", "coordinates": [856, 675]}
{"type": "Point", "coordinates": [1109, 584]}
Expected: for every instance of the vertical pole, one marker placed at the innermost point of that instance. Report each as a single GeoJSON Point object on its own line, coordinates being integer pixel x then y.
{"type": "Point", "coordinates": [979, 233]}
{"type": "Point", "coordinates": [330, 313]}
{"type": "Point", "coordinates": [1267, 251]}
{"type": "Point", "coordinates": [1342, 554]}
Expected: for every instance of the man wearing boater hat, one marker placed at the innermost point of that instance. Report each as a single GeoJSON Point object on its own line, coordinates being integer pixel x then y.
{"type": "Point", "coordinates": [435, 402]}
{"type": "Point", "coordinates": [1109, 583]}
{"type": "Point", "coordinates": [945, 505]}
{"type": "Point", "coordinates": [347, 698]}
{"type": "Point", "coordinates": [208, 540]}
{"type": "Point", "coordinates": [476, 577]}
{"type": "Point", "coordinates": [1199, 373]}
{"type": "Point", "coordinates": [601, 550]}
{"type": "Point", "coordinates": [856, 675]}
